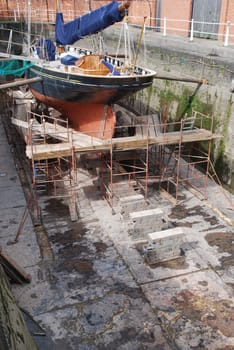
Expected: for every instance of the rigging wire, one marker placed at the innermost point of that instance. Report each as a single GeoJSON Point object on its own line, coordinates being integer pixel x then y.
{"type": "Point", "coordinates": [124, 32]}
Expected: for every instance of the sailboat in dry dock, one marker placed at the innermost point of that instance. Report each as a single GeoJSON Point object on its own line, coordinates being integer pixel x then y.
{"type": "Point", "coordinates": [83, 85]}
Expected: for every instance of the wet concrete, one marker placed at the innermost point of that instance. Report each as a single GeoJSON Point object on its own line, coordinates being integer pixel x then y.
{"type": "Point", "coordinates": [224, 242]}
{"type": "Point", "coordinates": [177, 264]}
{"type": "Point", "coordinates": [181, 212]}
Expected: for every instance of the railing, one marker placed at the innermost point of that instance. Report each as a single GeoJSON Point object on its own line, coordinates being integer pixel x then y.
{"type": "Point", "coordinates": [223, 32]}
{"type": "Point", "coordinates": [9, 39]}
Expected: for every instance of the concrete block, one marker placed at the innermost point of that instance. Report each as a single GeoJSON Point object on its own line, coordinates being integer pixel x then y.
{"type": "Point", "coordinates": [169, 236]}
{"type": "Point", "coordinates": [164, 245]}
{"type": "Point", "coordinates": [153, 257]}
{"type": "Point", "coordinates": [132, 203]}
{"type": "Point", "coordinates": [129, 199]}
{"type": "Point", "coordinates": [146, 221]}
{"type": "Point", "coordinates": [138, 215]}
{"type": "Point", "coordinates": [144, 217]}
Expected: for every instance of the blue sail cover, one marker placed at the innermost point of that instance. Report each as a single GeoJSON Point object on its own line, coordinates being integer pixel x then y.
{"type": "Point", "coordinates": [90, 23]}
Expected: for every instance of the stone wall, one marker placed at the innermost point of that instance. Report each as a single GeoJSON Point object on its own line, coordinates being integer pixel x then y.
{"type": "Point", "coordinates": [177, 98]}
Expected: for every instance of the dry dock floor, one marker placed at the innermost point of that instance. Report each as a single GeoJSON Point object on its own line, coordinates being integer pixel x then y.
{"type": "Point", "coordinates": [91, 288]}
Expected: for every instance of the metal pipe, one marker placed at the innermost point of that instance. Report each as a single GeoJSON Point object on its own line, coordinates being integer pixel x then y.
{"type": "Point", "coordinates": [19, 83]}
{"type": "Point", "coordinates": [186, 80]}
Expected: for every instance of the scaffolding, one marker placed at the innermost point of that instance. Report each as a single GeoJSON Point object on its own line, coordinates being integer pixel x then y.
{"type": "Point", "coordinates": [55, 177]}
{"type": "Point", "coordinates": [168, 158]}
{"type": "Point", "coordinates": [145, 152]}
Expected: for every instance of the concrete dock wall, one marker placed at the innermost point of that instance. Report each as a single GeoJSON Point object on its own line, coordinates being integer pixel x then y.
{"type": "Point", "coordinates": [202, 59]}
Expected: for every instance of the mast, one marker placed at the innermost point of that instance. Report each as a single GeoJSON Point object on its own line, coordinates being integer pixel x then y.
{"type": "Point", "coordinates": [58, 6]}
{"type": "Point", "coordinates": [139, 42]}
{"type": "Point", "coordinates": [28, 9]}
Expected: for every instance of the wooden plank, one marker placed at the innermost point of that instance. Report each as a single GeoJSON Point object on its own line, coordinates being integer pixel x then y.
{"type": "Point", "coordinates": [46, 151]}
{"type": "Point", "coordinates": [80, 139]}
{"type": "Point", "coordinates": [54, 130]}
{"type": "Point", "coordinates": [12, 269]}
{"type": "Point", "coordinates": [57, 131]}
{"type": "Point", "coordinates": [20, 123]}
{"type": "Point", "coordinates": [60, 132]}
{"type": "Point", "coordinates": [147, 126]}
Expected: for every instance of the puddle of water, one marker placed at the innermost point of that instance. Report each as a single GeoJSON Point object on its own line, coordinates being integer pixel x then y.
{"type": "Point", "coordinates": [57, 207]}
{"type": "Point", "coordinates": [176, 264]}
{"type": "Point", "coordinates": [100, 246]}
{"type": "Point", "coordinates": [83, 267]}
{"type": "Point", "coordinates": [224, 242]}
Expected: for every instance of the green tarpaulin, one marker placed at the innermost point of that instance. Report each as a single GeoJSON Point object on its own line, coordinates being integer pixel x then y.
{"type": "Point", "coordinates": [14, 67]}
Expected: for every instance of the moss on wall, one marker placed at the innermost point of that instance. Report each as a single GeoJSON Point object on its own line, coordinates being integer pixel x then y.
{"type": "Point", "coordinates": [221, 162]}
{"type": "Point", "coordinates": [174, 101]}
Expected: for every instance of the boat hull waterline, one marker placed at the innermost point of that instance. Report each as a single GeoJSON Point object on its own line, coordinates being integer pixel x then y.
{"type": "Point", "coordinates": [86, 88]}
{"type": "Point", "coordinates": [83, 98]}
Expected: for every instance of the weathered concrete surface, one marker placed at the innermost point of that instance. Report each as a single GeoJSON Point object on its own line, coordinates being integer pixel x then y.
{"type": "Point", "coordinates": [85, 297]}
{"type": "Point", "coordinates": [12, 205]}
{"type": "Point", "coordinates": [95, 290]}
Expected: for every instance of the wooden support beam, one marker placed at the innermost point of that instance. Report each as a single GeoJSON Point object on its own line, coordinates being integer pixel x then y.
{"type": "Point", "coordinates": [12, 269]}
{"type": "Point", "coordinates": [182, 79]}
{"type": "Point", "coordinates": [58, 132]}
